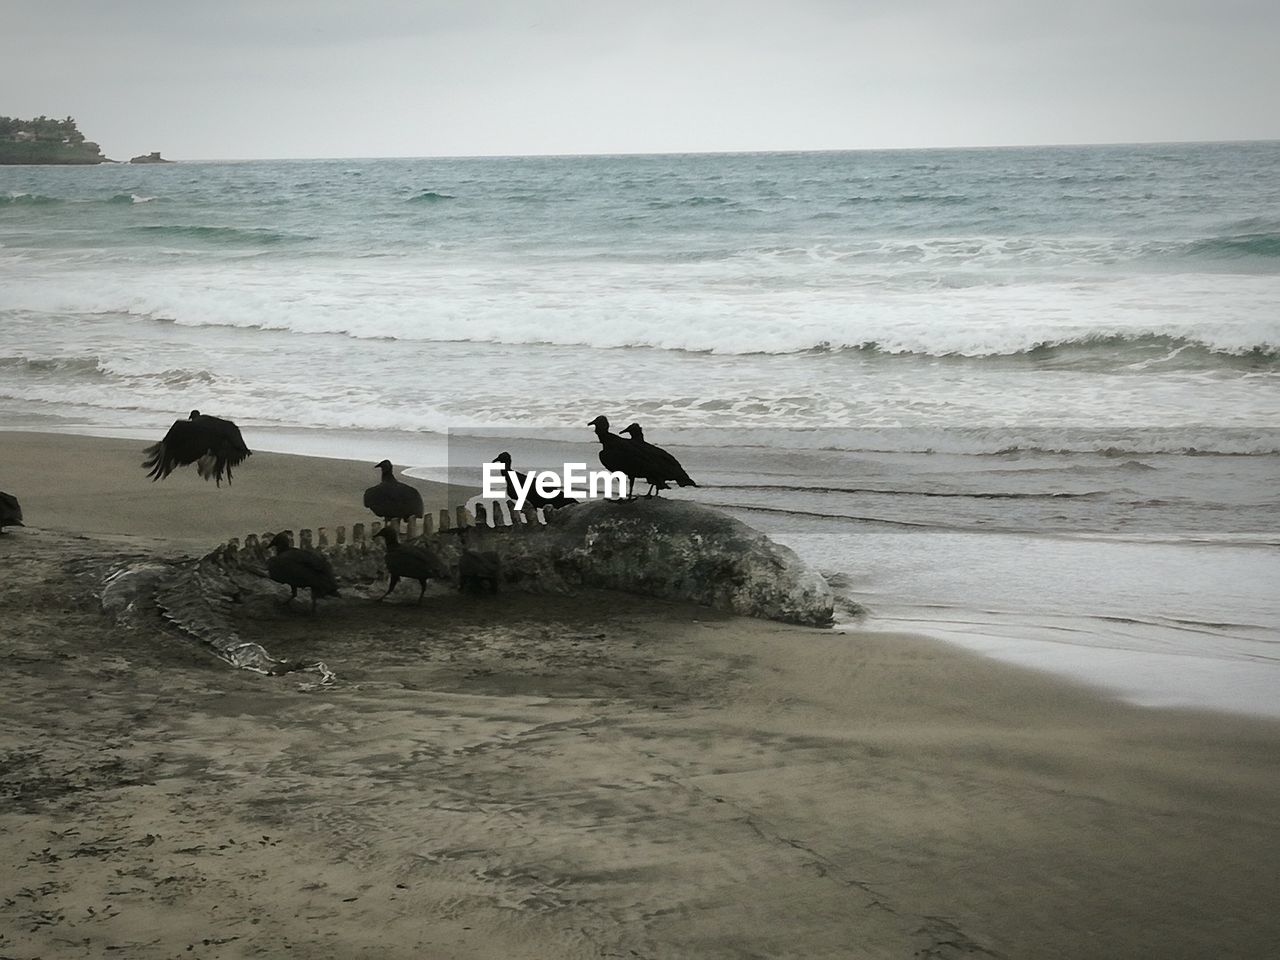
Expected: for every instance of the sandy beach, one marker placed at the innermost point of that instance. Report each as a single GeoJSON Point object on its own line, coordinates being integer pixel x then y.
{"type": "Point", "coordinates": [600, 775]}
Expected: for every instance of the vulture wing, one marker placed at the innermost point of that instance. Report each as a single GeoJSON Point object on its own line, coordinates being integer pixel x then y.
{"type": "Point", "coordinates": [668, 466]}
{"type": "Point", "coordinates": [393, 500]}
{"type": "Point", "coordinates": [212, 443]}
{"type": "Point", "coordinates": [411, 501]}
{"type": "Point", "coordinates": [303, 568]}
{"type": "Point", "coordinates": [181, 445]}
{"type": "Point", "coordinates": [224, 448]}
{"type": "Point", "coordinates": [324, 578]}
{"type": "Point", "coordinates": [315, 561]}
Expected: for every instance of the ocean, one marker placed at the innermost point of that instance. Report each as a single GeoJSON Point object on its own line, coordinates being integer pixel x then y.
{"type": "Point", "coordinates": [1025, 399]}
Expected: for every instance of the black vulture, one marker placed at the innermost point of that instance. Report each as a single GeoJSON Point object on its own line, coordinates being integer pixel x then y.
{"type": "Point", "coordinates": [10, 511]}
{"type": "Point", "coordinates": [301, 568]}
{"type": "Point", "coordinates": [392, 499]}
{"type": "Point", "coordinates": [410, 561]}
{"type": "Point", "coordinates": [665, 466]}
{"type": "Point", "coordinates": [620, 455]}
{"type": "Point", "coordinates": [532, 498]}
{"type": "Point", "coordinates": [214, 445]}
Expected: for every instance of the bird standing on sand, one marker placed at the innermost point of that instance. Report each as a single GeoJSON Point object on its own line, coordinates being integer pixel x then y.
{"type": "Point", "coordinates": [392, 499]}
{"type": "Point", "coordinates": [213, 444]}
{"type": "Point", "coordinates": [10, 511]}
{"type": "Point", "coordinates": [410, 561]}
{"type": "Point", "coordinates": [664, 467]}
{"type": "Point", "coordinates": [301, 568]}
{"type": "Point", "coordinates": [533, 498]}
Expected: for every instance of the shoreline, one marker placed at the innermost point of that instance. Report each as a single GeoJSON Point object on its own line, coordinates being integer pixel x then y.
{"type": "Point", "coordinates": [288, 441]}
{"type": "Point", "coordinates": [1139, 670]}
{"type": "Point", "coordinates": [92, 485]}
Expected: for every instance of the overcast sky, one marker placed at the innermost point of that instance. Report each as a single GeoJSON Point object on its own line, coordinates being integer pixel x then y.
{"type": "Point", "coordinates": [364, 78]}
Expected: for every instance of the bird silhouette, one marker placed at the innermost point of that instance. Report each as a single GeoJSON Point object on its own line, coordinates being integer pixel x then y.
{"type": "Point", "coordinates": [620, 455]}
{"type": "Point", "coordinates": [213, 444]}
{"type": "Point", "coordinates": [663, 466]}
{"type": "Point", "coordinates": [410, 561]}
{"type": "Point", "coordinates": [393, 499]}
{"type": "Point", "coordinates": [299, 569]}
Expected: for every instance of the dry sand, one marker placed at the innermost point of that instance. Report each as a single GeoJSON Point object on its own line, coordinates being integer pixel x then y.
{"type": "Point", "coordinates": [596, 776]}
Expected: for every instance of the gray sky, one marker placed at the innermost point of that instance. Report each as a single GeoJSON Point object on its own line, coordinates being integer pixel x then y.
{"type": "Point", "coordinates": [325, 78]}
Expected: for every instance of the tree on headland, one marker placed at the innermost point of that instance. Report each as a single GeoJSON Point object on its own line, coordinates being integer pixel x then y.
{"type": "Point", "coordinates": [45, 140]}
{"type": "Point", "coordinates": [42, 128]}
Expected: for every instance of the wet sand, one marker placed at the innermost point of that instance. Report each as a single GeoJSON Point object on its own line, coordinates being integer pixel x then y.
{"type": "Point", "coordinates": [95, 485]}
{"type": "Point", "coordinates": [562, 777]}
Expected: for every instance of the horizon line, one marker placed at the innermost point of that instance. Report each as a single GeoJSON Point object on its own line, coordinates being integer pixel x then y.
{"type": "Point", "coordinates": [713, 153]}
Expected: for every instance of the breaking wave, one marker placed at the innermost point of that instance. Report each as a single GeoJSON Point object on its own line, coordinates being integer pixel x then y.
{"type": "Point", "coordinates": [88, 367]}
{"type": "Point", "coordinates": [1134, 351]}
{"type": "Point", "coordinates": [379, 306]}
{"type": "Point", "coordinates": [136, 382]}
{"type": "Point", "coordinates": [16, 199]}
{"type": "Point", "coordinates": [1232, 247]}
{"type": "Point", "coordinates": [95, 369]}
{"type": "Point", "coordinates": [27, 200]}
{"type": "Point", "coordinates": [1131, 351]}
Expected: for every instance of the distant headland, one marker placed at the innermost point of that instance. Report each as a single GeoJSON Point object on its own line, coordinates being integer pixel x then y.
{"type": "Point", "coordinates": [44, 140]}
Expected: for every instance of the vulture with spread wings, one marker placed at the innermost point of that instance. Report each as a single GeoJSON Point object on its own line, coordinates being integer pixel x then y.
{"type": "Point", "coordinates": [214, 445]}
